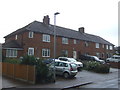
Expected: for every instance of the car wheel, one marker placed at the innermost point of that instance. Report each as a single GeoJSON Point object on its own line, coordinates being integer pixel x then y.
{"type": "Point", "coordinates": [66, 75]}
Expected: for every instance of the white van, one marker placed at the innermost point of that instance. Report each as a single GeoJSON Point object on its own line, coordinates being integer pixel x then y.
{"type": "Point", "coordinates": [114, 58]}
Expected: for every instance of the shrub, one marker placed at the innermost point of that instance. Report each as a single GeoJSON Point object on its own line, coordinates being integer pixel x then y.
{"type": "Point", "coordinates": [28, 60]}
{"type": "Point", "coordinates": [43, 73]}
{"type": "Point", "coordinates": [12, 61]}
{"type": "Point", "coordinates": [97, 67]}
{"type": "Point", "coordinates": [103, 68]}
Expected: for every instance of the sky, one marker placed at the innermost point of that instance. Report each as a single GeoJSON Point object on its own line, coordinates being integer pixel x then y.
{"type": "Point", "coordinates": [98, 17]}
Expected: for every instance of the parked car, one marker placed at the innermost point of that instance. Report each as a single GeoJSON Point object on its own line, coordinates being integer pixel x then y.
{"type": "Point", "coordinates": [114, 58]}
{"type": "Point", "coordinates": [64, 68]}
{"type": "Point", "coordinates": [48, 61]}
{"type": "Point", "coordinates": [79, 64]}
{"type": "Point", "coordinates": [91, 58]}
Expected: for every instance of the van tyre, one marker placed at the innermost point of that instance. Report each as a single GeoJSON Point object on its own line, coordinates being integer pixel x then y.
{"type": "Point", "coordinates": [66, 75]}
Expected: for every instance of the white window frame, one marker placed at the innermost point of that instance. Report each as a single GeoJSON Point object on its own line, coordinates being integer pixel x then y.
{"type": "Point", "coordinates": [16, 37]}
{"type": "Point", "coordinates": [30, 34]}
{"type": "Point", "coordinates": [30, 51]}
{"type": "Point", "coordinates": [97, 45]}
{"type": "Point", "coordinates": [86, 44]}
{"type": "Point", "coordinates": [107, 47]}
{"type": "Point", "coordinates": [46, 38]}
{"type": "Point", "coordinates": [11, 53]}
{"type": "Point", "coordinates": [111, 47]}
{"type": "Point", "coordinates": [75, 41]}
{"type": "Point", "coordinates": [45, 52]}
{"type": "Point", "coordinates": [64, 40]}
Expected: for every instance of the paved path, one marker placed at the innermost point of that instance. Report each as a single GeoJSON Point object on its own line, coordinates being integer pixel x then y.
{"type": "Point", "coordinates": [81, 78]}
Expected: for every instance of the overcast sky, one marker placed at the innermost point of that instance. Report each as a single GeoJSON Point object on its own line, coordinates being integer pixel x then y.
{"type": "Point", "coordinates": [99, 17]}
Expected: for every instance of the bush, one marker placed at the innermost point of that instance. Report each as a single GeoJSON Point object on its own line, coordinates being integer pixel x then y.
{"type": "Point", "coordinates": [97, 67]}
{"type": "Point", "coordinates": [12, 61]}
{"type": "Point", "coordinates": [43, 73]}
{"type": "Point", "coordinates": [28, 60]}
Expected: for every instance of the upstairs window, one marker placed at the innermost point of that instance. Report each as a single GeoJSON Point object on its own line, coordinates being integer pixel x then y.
{"type": "Point", "coordinates": [11, 53]}
{"type": "Point", "coordinates": [30, 51]}
{"type": "Point", "coordinates": [30, 35]}
{"type": "Point", "coordinates": [97, 45]}
{"type": "Point", "coordinates": [16, 37]}
{"type": "Point", "coordinates": [106, 46]}
{"type": "Point", "coordinates": [86, 44]}
{"type": "Point", "coordinates": [46, 38]}
{"type": "Point", "coordinates": [75, 41]}
{"type": "Point", "coordinates": [64, 40]}
{"type": "Point", "coordinates": [111, 47]}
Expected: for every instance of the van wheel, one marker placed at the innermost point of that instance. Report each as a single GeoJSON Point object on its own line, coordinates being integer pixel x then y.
{"type": "Point", "coordinates": [66, 75]}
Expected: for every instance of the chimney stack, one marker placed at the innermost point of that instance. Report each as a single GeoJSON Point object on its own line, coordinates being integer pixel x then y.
{"type": "Point", "coordinates": [46, 20]}
{"type": "Point", "coordinates": [81, 29]}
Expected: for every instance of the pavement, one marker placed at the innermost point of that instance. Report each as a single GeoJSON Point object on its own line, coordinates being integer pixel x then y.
{"type": "Point", "coordinates": [82, 78]}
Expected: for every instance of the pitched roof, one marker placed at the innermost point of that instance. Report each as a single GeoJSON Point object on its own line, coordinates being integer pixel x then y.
{"type": "Point", "coordinates": [40, 27]}
{"type": "Point", "coordinates": [12, 44]}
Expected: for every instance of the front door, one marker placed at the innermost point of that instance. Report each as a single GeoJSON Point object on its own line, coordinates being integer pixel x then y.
{"type": "Point", "coordinates": [75, 54]}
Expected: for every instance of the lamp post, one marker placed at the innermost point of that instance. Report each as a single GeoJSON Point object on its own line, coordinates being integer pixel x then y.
{"type": "Point", "coordinates": [55, 41]}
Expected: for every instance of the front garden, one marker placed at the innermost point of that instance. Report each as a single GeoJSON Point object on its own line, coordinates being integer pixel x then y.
{"type": "Point", "coordinates": [42, 72]}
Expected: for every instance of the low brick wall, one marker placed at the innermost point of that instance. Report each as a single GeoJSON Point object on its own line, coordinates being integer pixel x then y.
{"type": "Point", "coordinates": [20, 72]}
{"type": "Point", "coordinates": [115, 64]}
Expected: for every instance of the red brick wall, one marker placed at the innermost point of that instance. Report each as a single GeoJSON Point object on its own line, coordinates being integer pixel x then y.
{"type": "Point", "coordinates": [115, 64]}
{"type": "Point", "coordinates": [37, 43]}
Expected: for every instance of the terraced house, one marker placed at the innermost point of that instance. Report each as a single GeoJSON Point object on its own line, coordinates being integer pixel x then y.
{"type": "Point", "coordinates": [37, 38]}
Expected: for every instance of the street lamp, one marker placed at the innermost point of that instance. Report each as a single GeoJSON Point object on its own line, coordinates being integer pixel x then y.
{"type": "Point", "coordinates": [55, 41]}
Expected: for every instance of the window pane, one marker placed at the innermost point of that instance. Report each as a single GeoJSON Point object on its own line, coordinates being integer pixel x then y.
{"type": "Point", "coordinates": [30, 51]}
{"type": "Point", "coordinates": [15, 52]}
{"type": "Point", "coordinates": [111, 48]}
{"type": "Point", "coordinates": [11, 53]}
{"type": "Point", "coordinates": [45, 52]}
{"type": "Point", "coordinates": [64, 40]}
{"type": "Point", "coordinates": [30, 34]}
{"type": "Point", "coordinates": [86, 43]}
{"type": "Point", "coordinates": [97, 45]}
{"type": "Point", "coordinates": [75, 42]}
{"type": "Point", "coordinates": [46, 38]}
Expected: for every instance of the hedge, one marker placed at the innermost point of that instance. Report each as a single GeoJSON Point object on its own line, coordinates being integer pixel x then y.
{"type": "Point", "coordinates": [97, 67]}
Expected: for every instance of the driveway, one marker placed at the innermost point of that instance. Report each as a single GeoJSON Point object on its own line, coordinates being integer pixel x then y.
{"type": "Point", "coordinates": [81, 78]}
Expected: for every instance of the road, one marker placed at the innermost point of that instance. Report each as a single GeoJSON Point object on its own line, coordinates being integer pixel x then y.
{"type": "Point", "coordinates": [112, 83]}
{"type": "Point", "coordinates": [111, 80]}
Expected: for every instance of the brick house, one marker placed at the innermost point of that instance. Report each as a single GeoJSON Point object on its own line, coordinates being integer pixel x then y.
{"type": "Point", "coordinates": [37, 39]}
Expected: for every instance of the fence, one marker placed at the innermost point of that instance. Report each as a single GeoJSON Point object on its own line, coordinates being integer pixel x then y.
{"type": "Point", "coordinates": [115, 64]}
{"type": "Point", "coordinates": [18, 71]}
